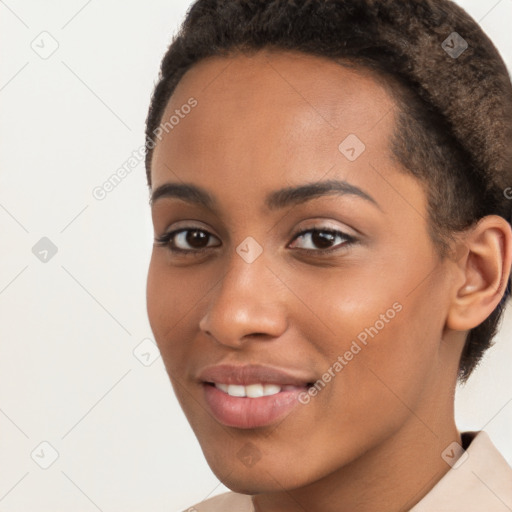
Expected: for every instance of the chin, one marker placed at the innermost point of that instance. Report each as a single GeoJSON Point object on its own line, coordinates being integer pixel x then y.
{"type": "Point", "coordinates": [262, 477]}
{"type": "Point", "coordinates": [253, 484]}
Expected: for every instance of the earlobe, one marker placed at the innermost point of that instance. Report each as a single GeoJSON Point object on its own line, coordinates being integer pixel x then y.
{"type": "Point", "coordinates": [482, 273]}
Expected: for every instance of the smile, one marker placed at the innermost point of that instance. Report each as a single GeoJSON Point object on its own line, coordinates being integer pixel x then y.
{"type": "Point", "coordinates": [251, 396]}
{"type": "Point", "coordinates": [252, 390]}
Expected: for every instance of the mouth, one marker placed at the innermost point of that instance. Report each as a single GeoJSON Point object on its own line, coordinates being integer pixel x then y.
{"type": "Point", "coordinates": [257, 390]}
{"type": "Point", "coordinates": [251, 396]}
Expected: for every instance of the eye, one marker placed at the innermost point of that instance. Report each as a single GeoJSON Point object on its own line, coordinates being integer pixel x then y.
{"type": "Point", "coordinates": [324, 238]}
{"type": "Point", "coordinates": [185, 240]}
{"type": "Point", "coordinates": [195, 241]}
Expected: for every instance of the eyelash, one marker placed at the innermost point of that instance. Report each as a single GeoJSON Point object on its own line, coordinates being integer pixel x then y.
{"type": "Point", "coordinates": [165, 241]}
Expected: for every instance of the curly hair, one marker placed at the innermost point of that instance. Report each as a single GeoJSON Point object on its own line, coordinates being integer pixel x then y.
{"type": "Point", "coordinates": [454, 124]}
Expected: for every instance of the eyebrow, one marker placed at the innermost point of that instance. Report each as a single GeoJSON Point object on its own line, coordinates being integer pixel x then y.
{"type": "Point", "coordinates": [276, 200]}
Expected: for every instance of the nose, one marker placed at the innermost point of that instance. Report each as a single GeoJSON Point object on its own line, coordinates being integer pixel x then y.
{"type": "Point", "coordinates": [248, 302]}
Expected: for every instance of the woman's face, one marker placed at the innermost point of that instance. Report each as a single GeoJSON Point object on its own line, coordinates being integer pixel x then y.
{"type": "Point", "coordinates": [336, 284]}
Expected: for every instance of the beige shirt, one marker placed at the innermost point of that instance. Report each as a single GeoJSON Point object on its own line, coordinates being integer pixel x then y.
{"type": "Point", "coordinates": [480, 482]}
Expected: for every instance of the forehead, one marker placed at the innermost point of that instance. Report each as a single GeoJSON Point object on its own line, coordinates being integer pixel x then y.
{"type": "Point", "coordinates": [271, 116]}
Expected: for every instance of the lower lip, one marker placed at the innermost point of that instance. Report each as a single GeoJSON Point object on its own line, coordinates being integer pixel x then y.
{"type": "Point", "coordinates": [245, 412]}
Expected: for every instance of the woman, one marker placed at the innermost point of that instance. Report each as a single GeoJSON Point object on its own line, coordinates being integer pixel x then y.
{"type": "Point", "coordinates": [332, 248]}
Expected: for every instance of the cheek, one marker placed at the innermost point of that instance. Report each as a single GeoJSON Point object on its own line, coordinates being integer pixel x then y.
{"type": "Point", "coordinates": [159, 301]}
{"type": "Point", "coordinates": [389, 353]}
{"type": "Point", "coordinates": [169, 302]}
{"type": "Point", "coordinates": [379, 335]}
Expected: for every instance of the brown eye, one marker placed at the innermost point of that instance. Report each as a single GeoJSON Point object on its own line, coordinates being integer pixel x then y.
{"type": "Point", "coordinates": [322, 240]}
{"type": "Point", "coordinates": [196, 238]}
{"type": "Point", "coordinates": [186, 240]}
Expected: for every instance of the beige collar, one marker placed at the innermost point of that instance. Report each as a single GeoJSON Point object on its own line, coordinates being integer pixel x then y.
{"type": "Point", "coordinates": [482, 481]}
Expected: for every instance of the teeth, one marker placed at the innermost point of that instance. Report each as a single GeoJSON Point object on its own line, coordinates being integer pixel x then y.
{"type": "Point", "coordinates": [222, 387]}
{"type": "Point", "coordinates": [235, 390]}
{"type": "Point", "coordinates": [254, 390]}
{"type": "Point", "coordinates": [251, 391]}
{"type": "Point", "coordinates": [271, 389]}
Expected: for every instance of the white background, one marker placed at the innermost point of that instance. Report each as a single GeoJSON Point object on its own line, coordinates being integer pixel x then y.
{"type": "Point", "coordinates": [68, 327]}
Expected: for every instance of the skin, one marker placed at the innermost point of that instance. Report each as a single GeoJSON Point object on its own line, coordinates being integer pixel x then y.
{"type": "Point", "coordinates": [372, 438]}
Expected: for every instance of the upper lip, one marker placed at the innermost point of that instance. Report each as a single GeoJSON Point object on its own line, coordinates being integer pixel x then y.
{"type": "Point", "coordinates": [252, 374]}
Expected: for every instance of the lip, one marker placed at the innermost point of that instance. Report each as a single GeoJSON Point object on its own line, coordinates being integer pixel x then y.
{"type": "Point", "coordinates": [252, 374]}
{"type": "Point", "coordinates": [246, 412]}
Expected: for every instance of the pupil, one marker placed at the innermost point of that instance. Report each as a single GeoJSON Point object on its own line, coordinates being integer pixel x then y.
{"type": "Point", "coordinates": [194, 238]}
{"type": "Point", "coordinates": [320, 240]}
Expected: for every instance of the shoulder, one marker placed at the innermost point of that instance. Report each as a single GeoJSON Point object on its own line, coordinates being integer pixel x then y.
{"type": "Point", "coordinates": [227, 502]}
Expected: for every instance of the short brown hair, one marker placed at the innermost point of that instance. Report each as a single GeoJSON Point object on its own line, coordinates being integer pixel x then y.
{"type": "Point", "coordinates": [454, 126]}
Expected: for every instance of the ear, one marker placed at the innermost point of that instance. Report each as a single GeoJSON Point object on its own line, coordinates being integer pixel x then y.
{"type": "Point", "coordinates": [482, 270]}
